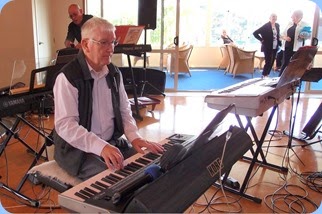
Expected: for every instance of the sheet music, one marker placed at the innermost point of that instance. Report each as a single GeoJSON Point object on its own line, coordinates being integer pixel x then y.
{"type": "Point", "coordinates": [18, 77]}
{"type": "Point", "coordinates": [128, 34]}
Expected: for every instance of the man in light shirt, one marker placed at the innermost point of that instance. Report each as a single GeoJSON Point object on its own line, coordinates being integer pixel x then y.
{"type": "Point", "coordinates": [92, 111]}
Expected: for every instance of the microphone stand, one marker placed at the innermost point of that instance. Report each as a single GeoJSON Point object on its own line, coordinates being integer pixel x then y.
{"type": "Point", "coordinates": [292, 124]}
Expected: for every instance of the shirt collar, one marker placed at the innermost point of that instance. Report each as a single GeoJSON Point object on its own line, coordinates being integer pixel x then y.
{"type": "Point", "coordinates": [98, 74]}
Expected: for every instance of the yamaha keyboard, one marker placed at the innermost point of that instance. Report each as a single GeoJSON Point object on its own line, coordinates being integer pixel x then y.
{"type": "Point", "coordinates": [252, 97]}
{"type": "Point", "coordinates": [174, 191]}
{"type": "Point", "coordinates": [21, 103]}
{"type": "Point", "coordinates": [135, 50]}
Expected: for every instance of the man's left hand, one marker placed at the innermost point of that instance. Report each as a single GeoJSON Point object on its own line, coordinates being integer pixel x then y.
{"type": "Point", "coordinates": [140, 143]}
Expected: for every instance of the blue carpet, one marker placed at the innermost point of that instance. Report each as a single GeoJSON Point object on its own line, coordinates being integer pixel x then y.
{"type": "Point", "coordinates": [208, 79]}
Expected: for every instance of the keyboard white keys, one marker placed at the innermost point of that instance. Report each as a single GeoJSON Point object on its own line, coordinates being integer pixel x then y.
{"type": "Point", "coordinates": [250, 97]}
{"type": "Point", "coordinates": [75, 198]}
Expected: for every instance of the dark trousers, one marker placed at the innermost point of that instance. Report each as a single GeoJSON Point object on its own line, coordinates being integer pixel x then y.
{"type": "Point", "coordinates": [287, 55]}
{"type": "Point", "coordinates": [94, 164]}
{"type": "Point", "coordinates": [279, 59]}
{"type": "Point", "coordinates": [270, 56]}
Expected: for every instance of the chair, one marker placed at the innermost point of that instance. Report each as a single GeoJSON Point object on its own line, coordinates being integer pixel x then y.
{"type": "Point", "coordinates": [241, 61]}
{"type": "Point", "coordinates": [65, 55]}
{"type": "Point", "coordinates": [261, 59]}
{"type": "Point", "coordinates": [184, 55]}
{"type": "Point", "coordinates": [165, 55]}
{"type": "Point", "coordinates": [224, 64]}
{"type": "Point", "coordinates": [52, 175]}
{"type": "Point", "coordinates": [230, 66]}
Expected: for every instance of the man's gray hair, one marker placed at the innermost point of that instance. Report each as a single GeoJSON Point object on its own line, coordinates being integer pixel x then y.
{"type": "Point", "coordinates": [90, 25]}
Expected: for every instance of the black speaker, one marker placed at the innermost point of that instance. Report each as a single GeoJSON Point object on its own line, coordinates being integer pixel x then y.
{"type": "Point", "coordinates": [155, 77]}
{"type": "Point", "coordinates": [147, 14]}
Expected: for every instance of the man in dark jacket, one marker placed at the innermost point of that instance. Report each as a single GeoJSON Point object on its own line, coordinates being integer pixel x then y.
{"type": "Point", "coordinates": [74, 28]}
{"type": "Point", "coordinates": [269, 36]}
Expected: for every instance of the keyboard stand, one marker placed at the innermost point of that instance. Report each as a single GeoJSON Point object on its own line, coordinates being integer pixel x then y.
{"type": "Point", "coordinates": [255, 153]}
{"type": "Point", "coordinates": [259, 141]}
{"type": "Point", "coordinates": [13, 132]}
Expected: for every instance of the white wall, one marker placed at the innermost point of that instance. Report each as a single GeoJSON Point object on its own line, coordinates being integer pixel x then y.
{"type": "Point", "coordinates": [16, 38]}
{"type": "Point", "coordinates": [17, 34]}
{"type": "Point", "coordinates": [19, 37]}
{"type": "Point", "coordinates": [60, 20]}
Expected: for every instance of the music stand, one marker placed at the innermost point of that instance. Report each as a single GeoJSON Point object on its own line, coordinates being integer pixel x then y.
{"type": "Point", "coordinates": [313, 126]}
{"type": "Point", "coordinates": [65, 55]}
{"type": "Point", "coordinates": [145, 82]}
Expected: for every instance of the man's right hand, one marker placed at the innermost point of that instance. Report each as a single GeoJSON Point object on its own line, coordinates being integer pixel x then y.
{"type": "Point", "coordinates": [112, 157]}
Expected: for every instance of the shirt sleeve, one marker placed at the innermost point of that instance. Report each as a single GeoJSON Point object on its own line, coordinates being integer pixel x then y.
{"type": "Point", "coordinates": [67, 118]}
{"type": "Point", "coordinates": [257, 34]}
{"type": "Point", "coordinates": [70, 35]}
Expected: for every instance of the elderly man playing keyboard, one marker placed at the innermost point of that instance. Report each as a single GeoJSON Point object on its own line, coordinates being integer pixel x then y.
{"type": "Point", "coordinates": [92, 111]}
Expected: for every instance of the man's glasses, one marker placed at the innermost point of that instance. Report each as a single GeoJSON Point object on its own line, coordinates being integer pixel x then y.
{"type": "Point", "coordinates": [104, 43]}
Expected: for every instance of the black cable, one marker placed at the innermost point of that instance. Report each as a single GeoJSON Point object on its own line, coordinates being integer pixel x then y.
{"type": "Point", "coordinates": [235, 206]}
{"type": "Point", "coordinates": [312, 179]}
{"type": "Point", "coordinates": [282, 200]}
{"type": "Point", "coordinates": [208, 202]}
{"type": "Point", "coordinates": [292, 202]}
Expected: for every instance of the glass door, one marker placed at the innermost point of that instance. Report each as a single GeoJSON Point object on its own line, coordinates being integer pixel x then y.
{"type": "Point", "coordinates": [200, 23]}
{"type": "Point", "coordinates": [162, 38]}
{"type": "Point", "coordinates": [316, 87]}
{"type": "Point", "coordinates": [165, 40]}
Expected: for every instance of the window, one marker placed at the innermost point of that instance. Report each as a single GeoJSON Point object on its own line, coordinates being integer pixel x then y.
{"type": "Point", "coordinates": [240, 19]}
{"type": "Point", "coordinates": [201, 22]}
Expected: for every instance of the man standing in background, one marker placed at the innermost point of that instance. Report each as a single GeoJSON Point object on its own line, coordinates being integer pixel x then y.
{"type": "Point", "coordinates": [269, 36]}
{"type": "Point", "coordinates": [74, 28]}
